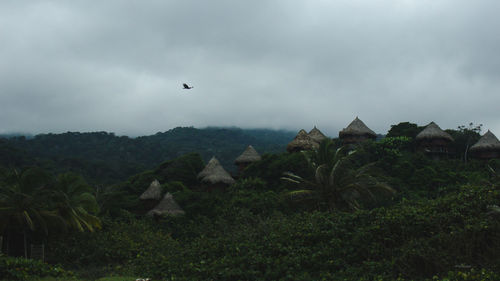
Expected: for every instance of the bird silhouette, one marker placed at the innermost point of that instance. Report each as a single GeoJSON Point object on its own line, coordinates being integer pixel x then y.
{"type": "Point", "coordinates": [186, 86]}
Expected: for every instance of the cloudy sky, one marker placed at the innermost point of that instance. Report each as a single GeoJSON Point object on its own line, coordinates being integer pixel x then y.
{"type": "Point", "coordinates": [118, 66]}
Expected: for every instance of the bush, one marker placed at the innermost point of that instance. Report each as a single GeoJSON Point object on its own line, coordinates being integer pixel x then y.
{"type": "Point", "coordinates": [272, 166]}
{"type": "Point", "coordinates": [26, 269]}
{"type": "Point", "coordinates": [250, 184]}
{"type": "Point", "coordinates": [471, 275]}
{"type": "Point", "coordinates": [118, 242]}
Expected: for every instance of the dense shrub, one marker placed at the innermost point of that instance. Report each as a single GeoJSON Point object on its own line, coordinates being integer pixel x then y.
{"type": "Point", "coordinates": [272, 166]}
{"type": "Point", "coordinates": [26, 269]}
{"type": "Point", "coordinates": [119, 241]}
{"type": "Point", "coordinates": [411, 240]}
{"type": "Point", "coordinates": [439, 227]}
{"type": "Point", "coordinates": [469, 275]}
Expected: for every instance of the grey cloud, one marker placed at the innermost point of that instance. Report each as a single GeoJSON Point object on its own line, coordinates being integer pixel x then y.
{"type": "Point", "coordinates": [118, 65]}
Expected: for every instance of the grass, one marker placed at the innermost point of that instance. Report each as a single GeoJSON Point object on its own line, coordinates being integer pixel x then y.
{"type": "Point", "coordinates": [114, 278]}
{"type": "Point", "coordinates": [118, 278]}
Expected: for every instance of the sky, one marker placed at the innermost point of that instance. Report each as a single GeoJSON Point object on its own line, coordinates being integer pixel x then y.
{"type": "Point", "coordinates": [118, 66]}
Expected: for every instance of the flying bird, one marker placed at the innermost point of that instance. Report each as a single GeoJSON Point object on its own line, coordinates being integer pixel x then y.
{"type": "Point", "coordinates": [186, 86]}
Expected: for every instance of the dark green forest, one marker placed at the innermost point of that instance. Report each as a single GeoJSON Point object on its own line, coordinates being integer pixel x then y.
{"type": "Point", "coordinates": [379, 210]}
{"type": "Point", "coordinates": [104, 158]}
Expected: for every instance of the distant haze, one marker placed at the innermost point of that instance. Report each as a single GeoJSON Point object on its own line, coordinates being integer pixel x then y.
{"type": "Point", "coordinates": [118, 66]}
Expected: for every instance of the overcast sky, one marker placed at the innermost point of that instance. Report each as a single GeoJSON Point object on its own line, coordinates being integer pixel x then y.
{"type": "Point", "coordinates": [118, 66]}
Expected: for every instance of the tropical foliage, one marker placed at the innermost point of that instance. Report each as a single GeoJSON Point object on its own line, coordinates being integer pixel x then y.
{"type": "Point", "coordinates": [23, 269]}
{"type": "Point", "coordinates": [34, 203]}
{"type": "Point", "coordinates": [336, 182]}
{"type": "Point", "coordinates": [442, 223]}
{"type": "Point", "coordinates": [74, 202]}
{"type": "Point", "coordinates": [23, 202]}
{"type": "Point", "coordinates": [411, 240]}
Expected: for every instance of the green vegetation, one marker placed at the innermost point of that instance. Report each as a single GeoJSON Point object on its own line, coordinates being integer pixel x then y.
{"type": "Point", "coordinates": [376, 211]}
{"type": "Point", "coordinates": [104, 158]}
{"type": "Point", "coordinates": [337, 182]}
{"type": "Point", "coordinates": [25, 269]}
{"type": "Point", "coordinates": [34, 205]}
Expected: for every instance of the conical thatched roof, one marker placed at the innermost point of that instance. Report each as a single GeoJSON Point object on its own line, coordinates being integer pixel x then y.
{"type": "Point", "coordinates": [167, 206]}
{"type": "Point", "coordinates": [487, 142]}
{"type": "Point", "coordinates": [432, 131]}
{"type": "Point", "coordinates": [208, 168]}
{"type": "Point", "coordinates": [248, 156]}
{"type": "Point", "coordinates": [153, 192]}
{"type": "Point", "coordinates": [301, 142]}
{"type": "Point", "coordinates": [358, 128]}
{"type": "Point", "coordinates": [214, 173]}
{"type": "Point", "coordinates": [316, 135]}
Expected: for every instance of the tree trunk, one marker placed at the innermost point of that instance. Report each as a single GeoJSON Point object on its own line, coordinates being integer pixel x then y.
{"type": "Point", "coordinates": [25, 246]}
{"type": "Point", "coordinates": [8, 242]}
{"type": "Point", "coordinates": [465, 154]}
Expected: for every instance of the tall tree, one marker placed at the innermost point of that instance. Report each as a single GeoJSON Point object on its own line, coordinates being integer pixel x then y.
{"type": "Point", "coordinates": [404, 129]}
{"type": "Point", "coordinates": [464, 138]}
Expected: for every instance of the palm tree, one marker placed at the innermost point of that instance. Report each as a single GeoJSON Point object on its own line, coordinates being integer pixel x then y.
{"type": "Point", "coordinates": [335, 182]}
{"type": "Point", "coordinates": [33, 201]}
{"type": "Point", "coordinates": [73, 199]}
{"type": "Point", "coordinates": [24, 204]}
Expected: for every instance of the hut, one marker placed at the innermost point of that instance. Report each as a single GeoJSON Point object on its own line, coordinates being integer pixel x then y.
{"type": "Point", "coordinates": [208, 168]}
{"type": "Point", "coordinates": [214, 175]}
{"type": "Point", "coordinates": [167, 206]}
{"type": "Point", "coordinates": [152, 195]}
{"type": "Point", "coordinates": [356, 132]}
{"type": "Point", "coordinates": [433, 140]}
{"type": "Point", "coordinates": [301, 142]}
{"type": "Point", "coordinates": [248, 156]}
{"type": "Point", "coordinates": [488, 147]}
{"type": "Point", "coordinates": [316, 135]}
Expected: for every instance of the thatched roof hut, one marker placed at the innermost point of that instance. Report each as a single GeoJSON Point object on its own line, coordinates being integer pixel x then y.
{"type": "Point", "coordinates": [357, 131]}
{"type": "Point", "coordinates": [218, 176]}
{"type": "Point", "coordinates": [486, 142]}
{"type": "Point", "coordinates": [357, 127]}
{"type": "Point", "coordinates": [301, 142]}
{"type": "Point", "coordinates": [208, 168]}
{"type": "Point", "coordinates": [432, 131]}
{"type": "Point", "coordinates": [316, 135]}
{"type": "Point", "coordinates": [487, 147]}
{"type": "Point", "coordinates": [153, 192]}
{"type": "Point", "coordinates": [167, 206]}
{"type": "Point", "coordinates": [214, 174]}
{"type": "Point", "coordinates": [250, 155]}
{"type": "Point", "coordinates": [433, 140]}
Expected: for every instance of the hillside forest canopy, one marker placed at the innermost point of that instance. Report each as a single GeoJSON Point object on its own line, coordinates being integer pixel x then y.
{"type": "Point", "coordinates": [83, 206]}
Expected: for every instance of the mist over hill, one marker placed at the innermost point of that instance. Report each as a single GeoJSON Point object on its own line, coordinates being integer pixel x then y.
{"type": "Point", "coordinates": [103, 157]}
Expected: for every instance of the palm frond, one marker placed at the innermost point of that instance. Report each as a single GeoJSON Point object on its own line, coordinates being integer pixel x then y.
{"type": "Point", "coordinates": [27, 218]}
{"type": "Point", "coordinates": [290, 180]}
{"type": "Point", "coordinates": [491, 170]}
{"type": "Point", "coordinates": [386, 187]}
{"type": "Point", "coordinates": [292, 175]}
{"type": "Point", "coordinates": [365, 168]}
{"type": "Point", "coordinates": [321, 174]}
{"type": "Point", "coordinates": [302, 191]}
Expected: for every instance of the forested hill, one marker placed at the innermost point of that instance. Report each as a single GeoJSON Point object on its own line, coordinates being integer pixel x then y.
{"type": "Point", "coordinates": [105, 158]}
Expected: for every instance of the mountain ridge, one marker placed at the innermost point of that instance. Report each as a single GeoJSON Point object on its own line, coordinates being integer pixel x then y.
{"type": "Point", "coordinates": [106, 158]}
